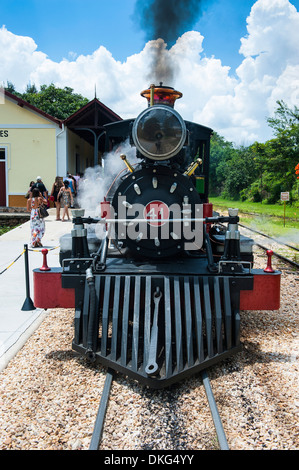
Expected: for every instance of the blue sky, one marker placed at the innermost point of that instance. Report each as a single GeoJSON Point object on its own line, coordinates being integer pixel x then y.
{"type": "Point", "coordinates": [234, 63]}
{"type": "Point", "coordinates": [81, 26]}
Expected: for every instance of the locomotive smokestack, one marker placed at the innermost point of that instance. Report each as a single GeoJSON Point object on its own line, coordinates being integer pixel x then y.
{"type": "Point", "coordinates": [163, 22]}
{"type": "Point", "coordinates": [161, 95]}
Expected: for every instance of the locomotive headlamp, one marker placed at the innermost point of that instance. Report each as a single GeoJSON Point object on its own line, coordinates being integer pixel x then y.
{"type": "Point", "coordinates": [159, 132]}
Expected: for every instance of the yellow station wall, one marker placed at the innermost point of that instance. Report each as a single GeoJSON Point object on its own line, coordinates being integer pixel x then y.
{"type": "Point", "coordinates": [30, 142]}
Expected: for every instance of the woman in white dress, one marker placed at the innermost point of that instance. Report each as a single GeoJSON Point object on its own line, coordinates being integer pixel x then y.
{"type": "Point", "coordinates": [37, 224]}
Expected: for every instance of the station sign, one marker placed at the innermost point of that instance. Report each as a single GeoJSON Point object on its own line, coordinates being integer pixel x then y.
{"type": "Point", "coordinates": [285, 196]}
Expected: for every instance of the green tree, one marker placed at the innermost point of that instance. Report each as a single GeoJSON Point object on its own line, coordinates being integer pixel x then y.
{"type": "Point", "coordinates": [220, 152]}
{"type": "Point", "coordinates": [239, 172]}
{"type": "Point", "coordinates": [11, 88]}
{"type": "Point", "coordinates": [231, 169]}
{"type": "Point", "coordinates": [284, 117]}
{"type": "Point", "coordinates": [275, 159]}
{"type": "Point", "coordinates": [58, 102]}
{"type": "Point", "coordinates": [30, 89]}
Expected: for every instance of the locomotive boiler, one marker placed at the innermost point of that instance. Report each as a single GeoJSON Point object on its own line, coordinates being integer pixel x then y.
{"type": "Point", "coordinates": [158, 296]}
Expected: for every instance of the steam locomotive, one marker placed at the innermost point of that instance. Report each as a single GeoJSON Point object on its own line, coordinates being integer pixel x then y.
{"type": "Point", "coordinates": [158, 295]}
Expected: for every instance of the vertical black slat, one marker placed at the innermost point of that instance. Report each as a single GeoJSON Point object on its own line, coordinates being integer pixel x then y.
{"type": "Point", "coordinates": [78, 320]}
{"type": "Point", "coordinates": [218, 316]}
{"type": "Point", "coordinates": [198, 323]}
{"type": "Point", "coordinates": [77, 323]}
{"type": "Point", "coordinates": [227, 313]}
{"type": "Point", "coordinates": [105, 316]}
{"type": "Point", "coordinates": [237, 327]}
{"type": "Point", "coordinates": [85, 315]}
{"type": "Point", "coordinates": [188, 321]}
{"type": "Point", "coordinates": [147, 319]}
{"type": "Point", "coordinates": [136, 322]}
{"type": "Point", "coordinates": [208, 315]}
{"type": "Point", "coordinates": [178, 324]}
{"type": "Point", "coordinates": [125, 322]}
{"type": "Point", "coordinates": [115, 315]}
{"type": "Point", "coordinates": [167, 307]}
{"type": "Point", "coordinates": [235, 302]}
{"type": "Point", "coordinates": [98, 282]}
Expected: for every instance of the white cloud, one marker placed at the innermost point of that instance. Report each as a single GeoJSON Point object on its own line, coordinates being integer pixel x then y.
{"type": "Point", "coordinates": [235, 106]}
{"type": "Point", "coordinates": [18, 58]}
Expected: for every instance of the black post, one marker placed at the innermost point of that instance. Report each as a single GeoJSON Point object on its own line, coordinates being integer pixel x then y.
{"type": "Point", "coordinates": [28, 304]}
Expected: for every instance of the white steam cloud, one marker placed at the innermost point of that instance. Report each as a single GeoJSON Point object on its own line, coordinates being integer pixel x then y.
{"type": "Point", "coordinates": [96, 183]}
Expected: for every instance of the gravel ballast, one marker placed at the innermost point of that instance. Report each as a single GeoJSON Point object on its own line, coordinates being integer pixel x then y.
{"type": "Point", "coordinates": [49, 396]}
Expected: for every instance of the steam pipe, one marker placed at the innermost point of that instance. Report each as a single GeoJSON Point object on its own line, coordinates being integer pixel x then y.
{"type": "Point", "coordinates": [208, 220]}
{"type": "Point", "coordinates": [99, 261]}
{"type": "Point", "coordinates": [102, 262]}
{"type": "Point", "coordinates": [209, 251]}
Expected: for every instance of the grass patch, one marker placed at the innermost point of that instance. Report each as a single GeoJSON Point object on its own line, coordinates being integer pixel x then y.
{"type": "Point", "coordinates": [277, 210]}
{"type": "Point", "coordinates": [266, 218]}
{"type": "Point", "coordinates": [4, 229]}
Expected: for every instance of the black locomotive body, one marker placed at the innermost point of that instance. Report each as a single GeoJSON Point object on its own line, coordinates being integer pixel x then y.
{"type": "Point", "coordinates": [159, 297]}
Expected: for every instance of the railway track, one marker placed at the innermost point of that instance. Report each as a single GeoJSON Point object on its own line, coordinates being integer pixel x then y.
{"type": "Point", "coordinates": [100, 419]}
{"type": "Point", "coordinates": [222, 440]}
{"type": "Point", "coordinates": [56, 407]}
{"type": "Point", "coordinates": [275, 245]}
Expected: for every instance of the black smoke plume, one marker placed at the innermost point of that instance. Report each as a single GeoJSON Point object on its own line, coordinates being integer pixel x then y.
{"type": "Point", "coordinates": [163, 21]}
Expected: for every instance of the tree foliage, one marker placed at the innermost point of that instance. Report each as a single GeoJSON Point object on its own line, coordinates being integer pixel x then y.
{"type": "Point", "coordinates": [261, 171]}
{"type": "Point", "coordinates": [58, 102]}
{"type": "Point", "coordinates": [231, 169]}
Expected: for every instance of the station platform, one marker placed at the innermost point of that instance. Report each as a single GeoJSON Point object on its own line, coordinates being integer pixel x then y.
{"type": "Point", "coordinates": [17, 325]}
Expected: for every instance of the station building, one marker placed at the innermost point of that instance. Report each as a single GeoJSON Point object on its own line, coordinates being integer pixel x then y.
{"type": "Point", "coordinates": [33, 143]}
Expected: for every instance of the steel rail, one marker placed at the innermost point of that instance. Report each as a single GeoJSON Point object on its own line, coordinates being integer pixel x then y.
{"type": "Point", "coordinates": [99, 423]}
{"type": "Point", "coordinates": [268, 236]}
{"type": "Point", "coordinates": [214, 411]}
{"type": "Point", "coordinates": [283, 258]}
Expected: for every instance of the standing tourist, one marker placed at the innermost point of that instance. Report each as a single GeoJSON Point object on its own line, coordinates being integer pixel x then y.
{"type": "Point", "coordinates": [72, 184]}
{"type": "Point", "coordinates": [37, 224]}
{"type": "Point", "coordinates": [66, 199]}
{"type": "Point", "coordinates": [40, 186]}
{"type": "Point", "coordinates": [57, 185]}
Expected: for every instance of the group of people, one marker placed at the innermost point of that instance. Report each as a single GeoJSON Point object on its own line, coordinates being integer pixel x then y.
{"type": "Point", "coordinates": [63, 194]}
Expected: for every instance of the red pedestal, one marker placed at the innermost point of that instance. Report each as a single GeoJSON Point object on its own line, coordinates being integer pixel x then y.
{"type": "Point", "coordinates": [48, 292]}
{"type": "Point", "coordinates": [265, 294]}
